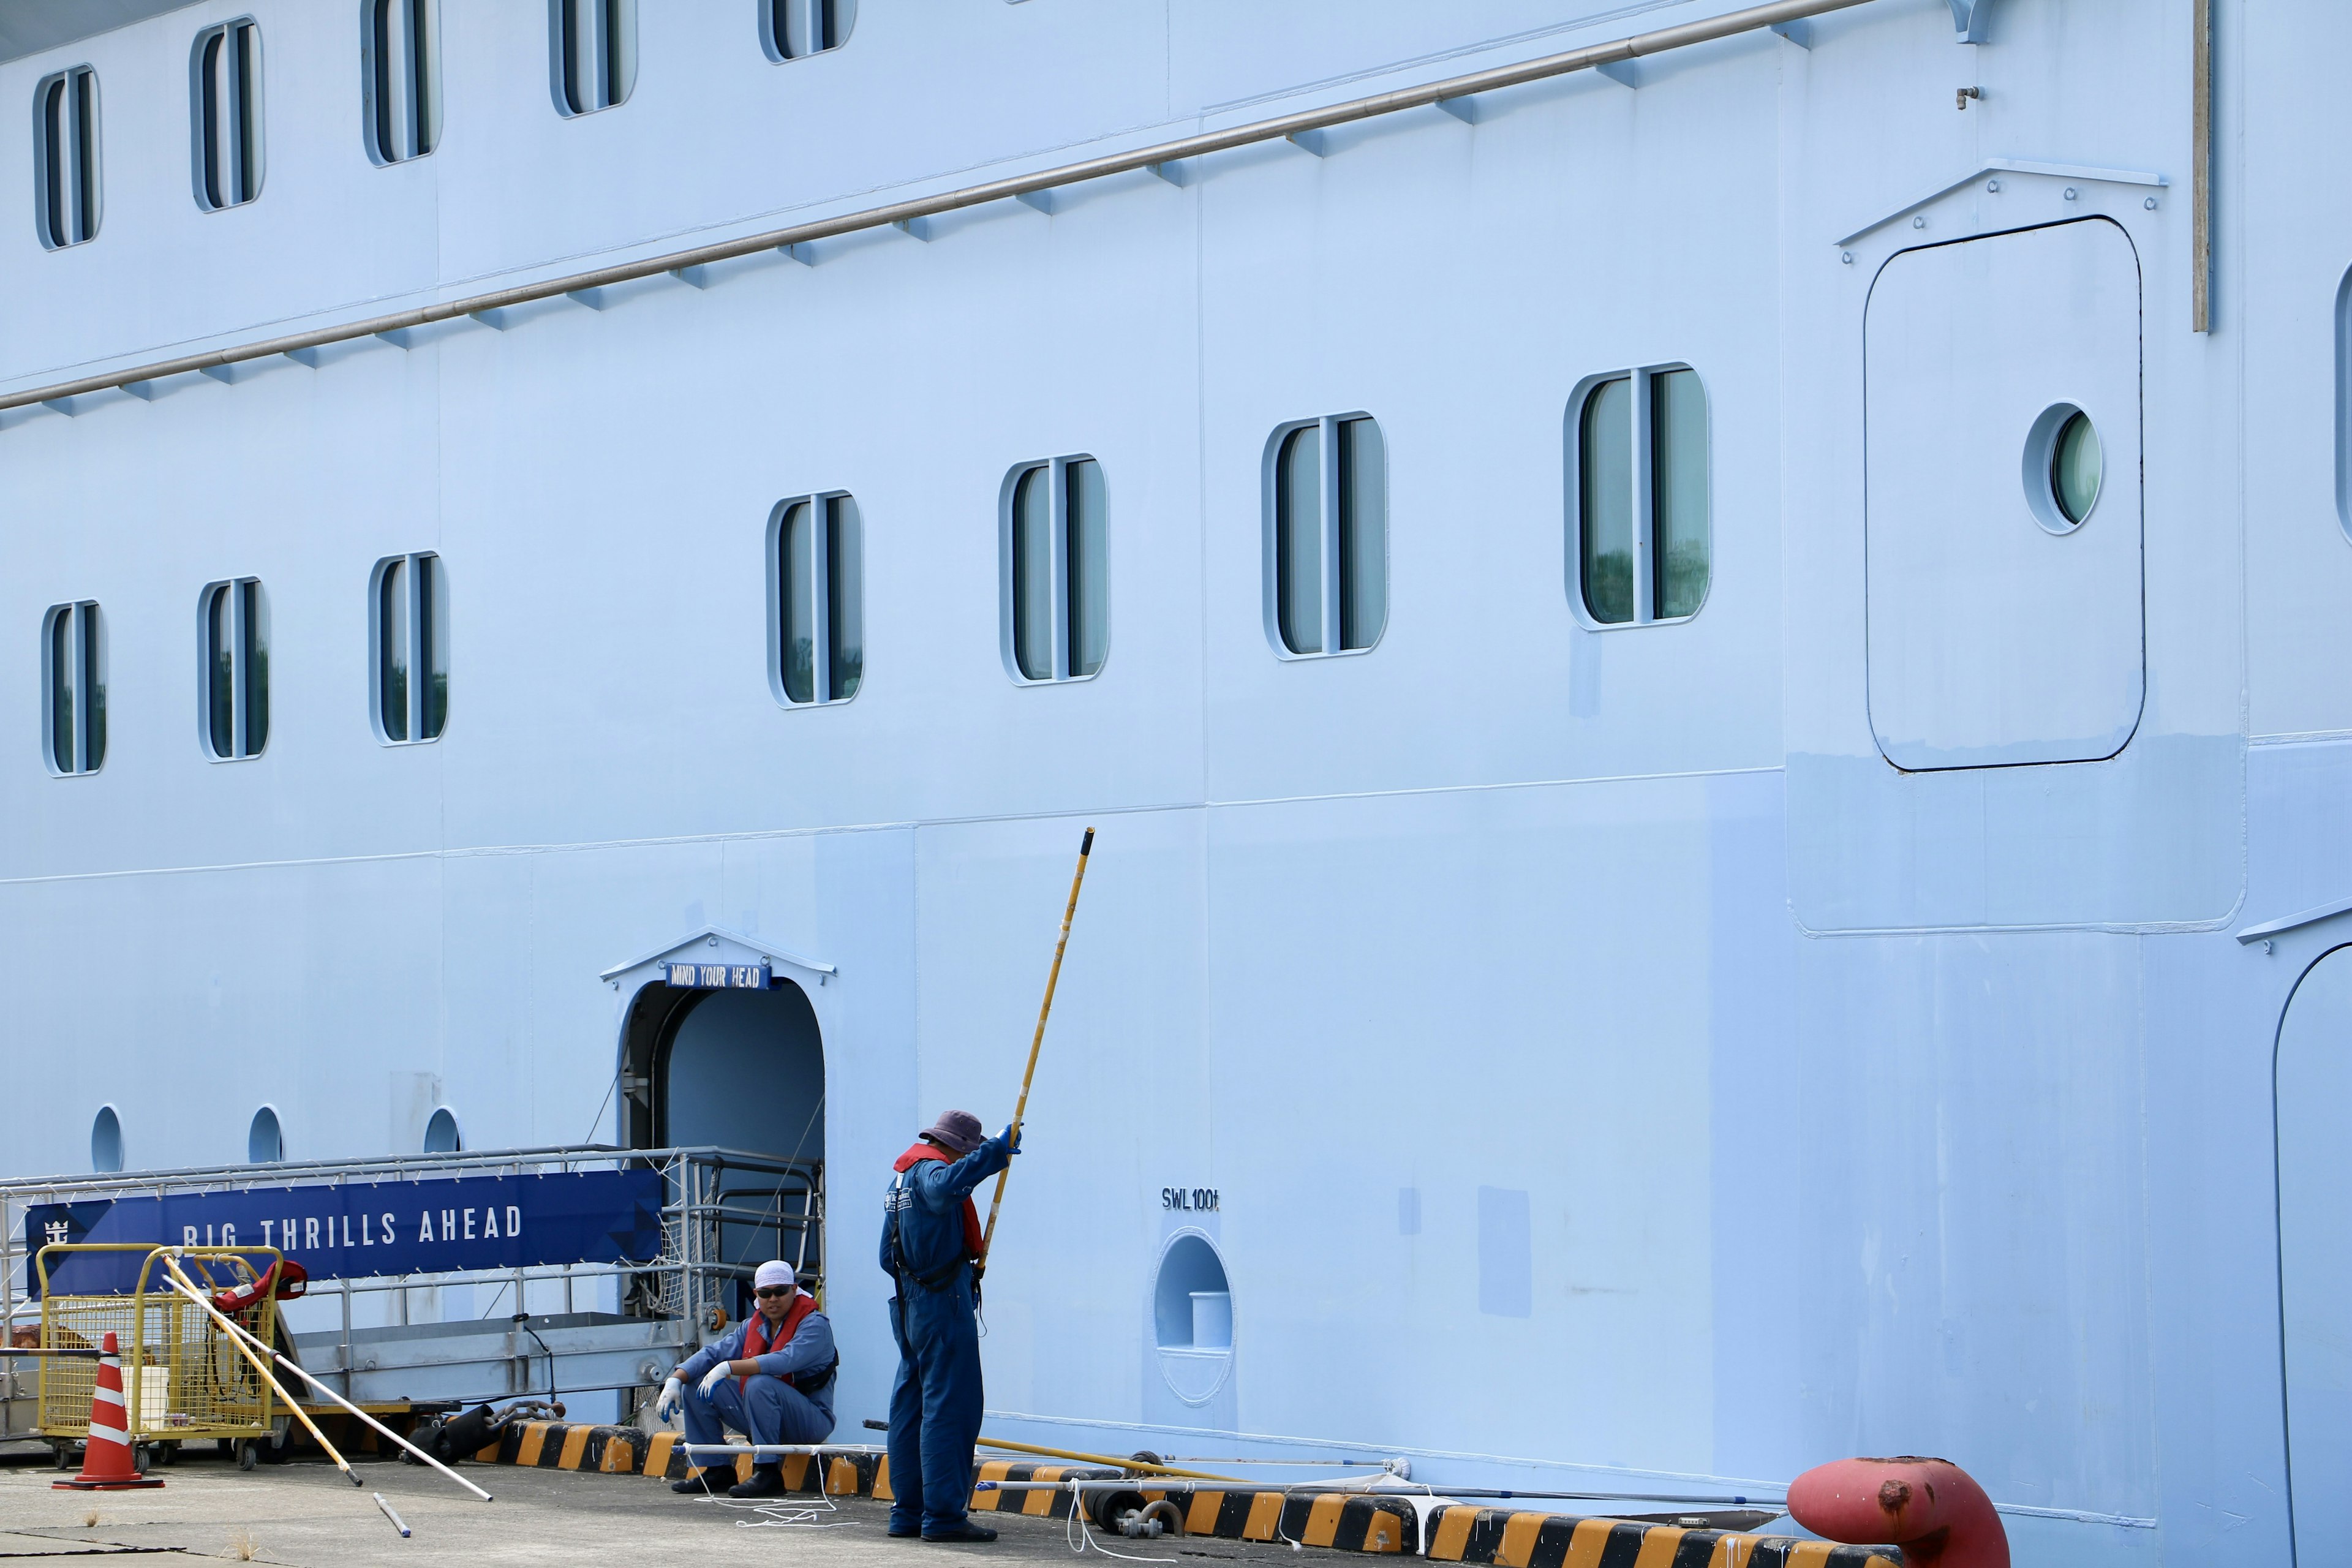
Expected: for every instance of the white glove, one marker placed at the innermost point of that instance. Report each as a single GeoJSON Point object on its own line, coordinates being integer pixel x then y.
{"type": "Point", "coordinates": [714, 1377]}
{"type": "Point", "coordinates": [673, 1395]}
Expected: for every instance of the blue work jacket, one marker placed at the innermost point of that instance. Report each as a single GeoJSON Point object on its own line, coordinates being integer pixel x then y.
{"type": "Point", "coordinates": [924, 1209]}
{"type": "Point", "coordinates": [809, 1349]}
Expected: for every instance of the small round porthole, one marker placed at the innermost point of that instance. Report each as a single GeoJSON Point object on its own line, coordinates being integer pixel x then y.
{"type": "Point", "coordinates": [2065, 464]}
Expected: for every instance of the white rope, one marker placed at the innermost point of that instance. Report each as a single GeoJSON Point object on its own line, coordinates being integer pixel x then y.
{"type": "Point", "coordinates": [795, 1515]}
{"type": "Point", "coordinates": [788, 1513]}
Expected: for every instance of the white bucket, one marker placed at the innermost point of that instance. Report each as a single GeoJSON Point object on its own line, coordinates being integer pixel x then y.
{"type": "Point", "coordinates": [1212, 1320]}
{"type": "Point", "coordinates": [154, 1397]}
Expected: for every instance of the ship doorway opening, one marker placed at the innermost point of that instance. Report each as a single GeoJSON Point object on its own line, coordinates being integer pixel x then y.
{"type": "Point", "coordinates": [2315, 1197]}
{"type": "Point", "coordinates": [738, 1070]}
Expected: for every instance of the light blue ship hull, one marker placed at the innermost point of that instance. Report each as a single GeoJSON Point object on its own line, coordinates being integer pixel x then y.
{"type": "Point", "coordinates": [1609, 1068]}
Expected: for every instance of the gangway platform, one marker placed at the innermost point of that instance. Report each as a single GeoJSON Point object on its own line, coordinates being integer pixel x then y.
{"type": "Point", "coordinates": [585, 1325]}
{"type": "Point", "coordinates": [496, 1358]}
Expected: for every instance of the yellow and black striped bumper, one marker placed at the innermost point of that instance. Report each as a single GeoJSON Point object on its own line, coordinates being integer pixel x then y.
{"type": "Point", "coordinates": [1338, 1521]}
{"type": "Point", "coordinates": [629, 1451]}
{"type": "Point", "coordinates": [1343, 1521]}
{"type": "Point", "coordinates": [1510, 1538]}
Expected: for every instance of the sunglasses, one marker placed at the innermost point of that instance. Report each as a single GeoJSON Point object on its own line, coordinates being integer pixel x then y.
{"type": "Point", "coordinates": [774, 1291]}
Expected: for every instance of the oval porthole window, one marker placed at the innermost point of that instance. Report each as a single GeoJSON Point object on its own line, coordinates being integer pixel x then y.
{"type": "Point", "coordinates": [2065, 464]}
{"type": "Point", "coordinates": [1192, 1317]}
{"type": "Point", "coordinates": [106, 1141]}
{"type": "Point", "coordinates": [264, 1144]}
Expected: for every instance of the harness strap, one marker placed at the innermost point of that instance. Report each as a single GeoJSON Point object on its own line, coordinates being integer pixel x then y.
{"type": "Point", "coordinates": [934, 1280]}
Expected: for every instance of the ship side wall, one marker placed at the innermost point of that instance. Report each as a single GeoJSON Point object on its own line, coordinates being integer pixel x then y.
{"type": "Point", "coordinates": [1590, 1057]}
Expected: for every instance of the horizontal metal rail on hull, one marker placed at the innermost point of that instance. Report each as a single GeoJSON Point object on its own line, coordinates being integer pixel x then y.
{"type": "Point", "coordinates": [279, 1172]}
{"type": "Point", "coordinates": [1592, 56]}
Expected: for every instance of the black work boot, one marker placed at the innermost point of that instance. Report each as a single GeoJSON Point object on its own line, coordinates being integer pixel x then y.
{"type": "Point", "coordinates": [767, 1480]}
{"type": "Point", "coordinates": [693, 1481]}
{"type": "Point", "coordinates": [969, 1532]}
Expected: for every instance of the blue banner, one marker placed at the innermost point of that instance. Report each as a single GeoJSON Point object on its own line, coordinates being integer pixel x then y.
{"type": "Point", "coordinates": [364, 1230]}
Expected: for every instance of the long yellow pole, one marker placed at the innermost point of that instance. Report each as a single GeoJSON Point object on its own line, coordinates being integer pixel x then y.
{"type": "Point", "coordinates": [1052, 978]}
{"type": "Point", "coordinates": [1138, 1466]}
{"type": "Point", "coordinates": [260, 1366]}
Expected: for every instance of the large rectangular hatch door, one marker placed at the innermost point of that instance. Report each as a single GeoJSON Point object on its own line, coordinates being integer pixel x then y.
{"type": "Point", "coordinates": [2002, 630]}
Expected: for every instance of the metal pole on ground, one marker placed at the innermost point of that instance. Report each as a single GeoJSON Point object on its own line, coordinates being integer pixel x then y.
{"type": "Point", "coordinates": [251, 1339]}
{"type": "Point", "coordinates": [260, 1366]}
{"type": "Point", "coordinates": [1052, 978]}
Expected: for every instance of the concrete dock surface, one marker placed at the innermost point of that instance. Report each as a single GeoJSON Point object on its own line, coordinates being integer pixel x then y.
{"type": "Point", "coordinates": [307, 1514]}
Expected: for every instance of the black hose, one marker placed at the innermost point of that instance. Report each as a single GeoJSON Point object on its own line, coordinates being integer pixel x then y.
{"type": "Point", "coordinates": [463, 1436]}
{"type": "Point", "coordinates": [523, 1320]}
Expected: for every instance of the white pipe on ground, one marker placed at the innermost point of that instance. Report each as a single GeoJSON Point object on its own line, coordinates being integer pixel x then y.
{"type": "Point", "coordinates": [179, 1284]}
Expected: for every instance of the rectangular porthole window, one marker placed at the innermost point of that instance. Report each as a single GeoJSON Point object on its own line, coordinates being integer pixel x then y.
{"type": "Point", "coordinates": [2344, 404]}
{"type": "Point", "coordinates": [64, 157]}
{"type": "Point", "coordinates": [224, 101]}
{"type": "Point", "coordinates": [1054, 577]}
{"type": "Point", "coordinates": [408, 613]}
{"type": "Point", "coordinates": [1326, 551]}
{"type": "Point", "coordinates": [792, 29]}
{"type": "Point", "coordinates": [593, 46]}
{"type": "Point", "coordinates": [1639, 525]}
{"type": "Point", "coordinates": [400, 78]}
{"type": "Point", "coordinates": [233, 638]}
{"type": "Point", "coordinates": [73, 671]}
{"type": "Point", "coordinates": [817, 600]}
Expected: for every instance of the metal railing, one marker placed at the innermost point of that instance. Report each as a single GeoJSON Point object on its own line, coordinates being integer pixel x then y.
{"type": "Point", "coordinates": [724, 1211]}
{"type": "Point", "coordinates": [1160, 157]}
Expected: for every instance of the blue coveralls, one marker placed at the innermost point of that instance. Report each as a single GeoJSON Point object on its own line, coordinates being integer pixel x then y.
{"type": "Point", "coordinates": [935, 1403]}
{"type": "Point", "coordinates": [767, 1408]}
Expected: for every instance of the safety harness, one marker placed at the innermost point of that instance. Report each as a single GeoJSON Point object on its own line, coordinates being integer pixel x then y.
{"type": "Point", "coordinates": [900, 1198]}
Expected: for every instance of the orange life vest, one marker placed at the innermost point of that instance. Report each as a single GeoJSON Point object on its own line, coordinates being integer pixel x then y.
{"type": "Point", "coordinates": [916, 1156]}
{"type": "Point", "coordinates": [757, 1344]}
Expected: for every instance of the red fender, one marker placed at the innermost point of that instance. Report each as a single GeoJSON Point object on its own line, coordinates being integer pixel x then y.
{"type": "Point", "coordinates": [285, 1278]}
{"type": "Point", "coordinates": [1930, 1507]}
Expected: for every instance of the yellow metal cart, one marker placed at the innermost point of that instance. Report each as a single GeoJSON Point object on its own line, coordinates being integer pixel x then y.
{"type": "Point", "coordinates": [183, 1379]}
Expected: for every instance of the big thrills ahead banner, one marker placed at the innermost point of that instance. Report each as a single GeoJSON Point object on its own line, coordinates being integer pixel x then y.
{"type": "Point", "coordinates": [361, 1230]}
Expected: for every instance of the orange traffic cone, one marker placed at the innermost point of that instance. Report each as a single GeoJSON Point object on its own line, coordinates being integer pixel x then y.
{"type": "Point", "coordinates": [106, 1464]}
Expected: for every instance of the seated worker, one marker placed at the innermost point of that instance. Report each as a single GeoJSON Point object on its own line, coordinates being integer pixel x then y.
{"type": "Point", "coordinates": [770, 1378]}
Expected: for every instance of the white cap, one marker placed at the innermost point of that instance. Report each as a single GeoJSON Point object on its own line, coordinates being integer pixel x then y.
{"type": "Point", "coordinates": [773, 1272]}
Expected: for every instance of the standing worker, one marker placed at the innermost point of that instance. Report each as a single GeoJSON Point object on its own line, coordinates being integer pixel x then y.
{"type": "Point", "coordinates": [931, 1247]}
{"type": "Point", "coordinates": [771, 1378]}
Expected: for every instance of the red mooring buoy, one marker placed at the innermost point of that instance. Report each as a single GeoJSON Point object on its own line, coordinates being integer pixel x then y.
{"type": "Point", "coordinates": [1931, 1508]}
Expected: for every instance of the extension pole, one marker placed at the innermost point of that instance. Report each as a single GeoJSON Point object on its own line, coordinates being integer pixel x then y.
{"type": "Point", "coordinates": [260, 1366]}
{"type": "Point", "coordinates": [1138, 1467]}
{"type": "Point", "coordinates": [1052, 978]}
{"type": "Point", "coordinates": [299, 1372]}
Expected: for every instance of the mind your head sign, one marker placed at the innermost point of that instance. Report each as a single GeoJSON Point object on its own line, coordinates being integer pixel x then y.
{"type": "Point", "coordinates": [362, 1230]}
